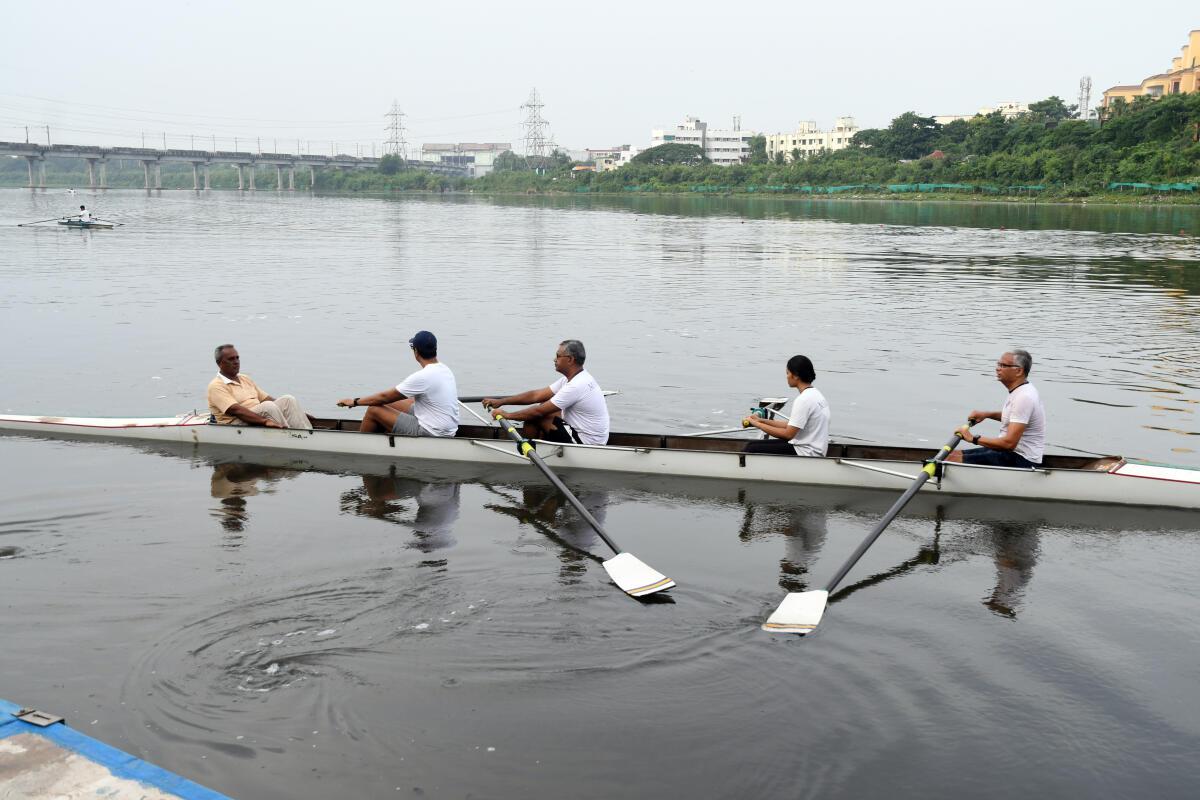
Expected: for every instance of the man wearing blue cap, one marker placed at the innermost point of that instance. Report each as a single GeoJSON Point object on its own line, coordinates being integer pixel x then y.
{"type": "Point", "coordinates": [423, 404]}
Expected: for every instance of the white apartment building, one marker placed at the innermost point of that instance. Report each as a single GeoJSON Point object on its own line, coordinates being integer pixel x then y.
{"type": "Point", "coordinates": [809, 139]}
{"type": "Point", "coordinates": [723, 147]}
{"type": "Point", "coordinates": [478, 157]}
{"type": "Point", "coordinates": [610, 158]}
{"type": "Point", "coordinates": [1007, 109]}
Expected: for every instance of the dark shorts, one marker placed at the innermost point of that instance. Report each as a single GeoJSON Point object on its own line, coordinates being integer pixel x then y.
{"type": "Point", "coordinates": [562, 432]}
{"type": "Point", "coordinates": [996, 458]}
{"type": "Point", "coordinates": [779, 447]}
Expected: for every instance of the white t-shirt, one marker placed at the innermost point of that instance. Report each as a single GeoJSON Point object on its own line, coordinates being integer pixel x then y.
{"type": "Point", "coordinates": [583, 406]}
{"type": "Point", "coordinates": [810, 413]}
{"type": "Point", "coordinates": [1024, 404]}
{"type": "Point", "coordinates": [85, 215]}
{"type": "Point", "coordinates": [436, 394]}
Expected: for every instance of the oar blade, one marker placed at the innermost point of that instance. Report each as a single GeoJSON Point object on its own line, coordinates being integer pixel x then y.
{"type": "Point", "coordinates": [800, 612]}
{"type": "Point", "coordinates": [635, 577]}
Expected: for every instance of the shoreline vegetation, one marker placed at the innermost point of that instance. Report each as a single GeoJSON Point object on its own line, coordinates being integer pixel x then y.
{"type": "Point", "coordinates": [1143, 153]}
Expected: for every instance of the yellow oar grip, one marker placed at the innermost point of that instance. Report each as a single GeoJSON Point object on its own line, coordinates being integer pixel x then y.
{"type": "Point", "coordinates": [929, 469]}
{"type": "Point", "coordinates": [525, 448]}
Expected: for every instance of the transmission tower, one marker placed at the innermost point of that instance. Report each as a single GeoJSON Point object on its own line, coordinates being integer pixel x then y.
{"type": "Point", "coordinates": [1085, 96]}
{"type": "Point", "coordinates": [395, 144]}
{"type": "Point", "coordinates": [536, 137]}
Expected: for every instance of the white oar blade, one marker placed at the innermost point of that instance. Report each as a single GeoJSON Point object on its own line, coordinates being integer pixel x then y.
{"type": "Point", "coordinates": [635, 577]}
{"type": "Point", "coordinates": [800, 612]}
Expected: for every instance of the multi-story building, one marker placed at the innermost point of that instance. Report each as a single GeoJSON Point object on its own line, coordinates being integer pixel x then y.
{"type": "Point", "coordinates": [808, 139]}
{"type": "Point", "coordinates": [478, 158]}
{"type": "Point", "coordinates": [1008, 109]}
{"type": "Point", "coordinates": [723, 147]}
{"type": "Point", "coordinates": [1182, 78]}
{"type": "Point", "coordinates": [610, 158]}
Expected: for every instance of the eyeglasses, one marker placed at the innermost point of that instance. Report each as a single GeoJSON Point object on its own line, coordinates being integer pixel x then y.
{"type": "Point", "coordinates": [1005, 366]}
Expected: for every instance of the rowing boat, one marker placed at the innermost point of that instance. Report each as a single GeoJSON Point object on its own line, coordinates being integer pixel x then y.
{"type": "Point", "coordinates": [78, 223]}
{"type": "Point", "coordinates": [1107, 479]}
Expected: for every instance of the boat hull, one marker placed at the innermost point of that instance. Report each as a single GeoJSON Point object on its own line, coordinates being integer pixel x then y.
{"type": "Point", "coordinates": [1110, 480]}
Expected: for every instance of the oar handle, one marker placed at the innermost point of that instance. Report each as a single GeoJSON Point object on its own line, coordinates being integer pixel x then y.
{"type": "Point", "coordinates": [927, 472]}
{"type": "Point", "coordinates": [526, 448]}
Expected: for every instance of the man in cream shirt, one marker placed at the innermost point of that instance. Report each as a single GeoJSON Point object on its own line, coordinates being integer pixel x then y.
{"type": "Point", "coordinates": [234, 399]}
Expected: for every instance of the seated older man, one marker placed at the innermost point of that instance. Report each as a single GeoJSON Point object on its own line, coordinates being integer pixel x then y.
{"type": "Point", "coordinates": [234, 399]}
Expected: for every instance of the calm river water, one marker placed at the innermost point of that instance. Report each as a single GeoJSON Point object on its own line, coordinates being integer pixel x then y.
{"type": "Point", "coordinates": [281, 629]}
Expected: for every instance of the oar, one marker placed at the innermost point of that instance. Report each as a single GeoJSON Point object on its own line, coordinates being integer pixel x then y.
{"type": "Point", "coordinates": [800, 612]}
{"type": "Point", "coordinates": [474, 414]}
{"type": "Point", "coordinates": [631, 574]}
{"type": "Point", "coordinates": [40, 221]}
{"type": "Point", "coordinates": [480, 398]}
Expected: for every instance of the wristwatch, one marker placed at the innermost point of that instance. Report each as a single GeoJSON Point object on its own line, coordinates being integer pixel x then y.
{"type": "Point", "coordinates": [976, 439]}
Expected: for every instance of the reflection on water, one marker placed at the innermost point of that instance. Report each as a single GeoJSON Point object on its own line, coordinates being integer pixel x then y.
{"type": "Point", "coordinates": [803, 530]}
{"type": "Point", "coordinates": [1016, 550]}
{"type": "Point", "coordinates": [232, 482]}
{"type": "Point", "coordinates": [428, 509]}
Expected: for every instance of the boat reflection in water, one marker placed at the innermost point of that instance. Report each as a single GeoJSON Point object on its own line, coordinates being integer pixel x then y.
{"type": "Point", "coordinates": [428, 509]}
{"type": "Point", "coordinates": [425, 498]}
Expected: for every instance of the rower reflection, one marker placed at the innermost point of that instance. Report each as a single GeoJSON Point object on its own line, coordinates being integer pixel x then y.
{"type": "Point", "coordinates": [803, 530]}
{"type": "Point", "coordinates": [428, 509]}
{"type": "Point", "coordinates": [1015, 547]}
{"type": "Point", "coordinates": [546, 510]}
{"type": "Point", "coordinates": [233, 482]}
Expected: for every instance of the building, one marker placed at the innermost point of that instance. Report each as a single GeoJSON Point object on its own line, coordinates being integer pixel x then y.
{"type": "Point", "coordinates": [478, 158]}
{"type": "Point", "coordinates": [808, 139]}
{"type": "Point", "coordinates": [723, 147]}
{"type": "Point", "coordinates": [1008, 109]}
{"type": "Point", "coordinates": [1182, 78]}
{"type": "Point", "coordinates": [610, 158]}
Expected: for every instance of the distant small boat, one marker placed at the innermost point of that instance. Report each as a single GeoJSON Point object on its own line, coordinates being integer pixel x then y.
{"type": "Point", "coordinates": [78, 223]}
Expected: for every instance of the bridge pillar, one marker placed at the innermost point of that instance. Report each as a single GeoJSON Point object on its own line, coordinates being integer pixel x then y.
{"type": "Point", "coordinates": [312, 177]}
{"type": "Point", "coordinates": [292, 178]}
{"type": "Point", "coordinates": [253, 169]}
{"type": "Point", "coordinates": [195, 176]}
{"type": "Point", "coordinates": [29, 160]}
{"type": "Point", "coordinates": [103, 173]}
{"type": "Point", "coordinates": [207, 182]}
{"type": "Point", "coordinates": [91, 162]}
{"type": "Point", "coordinates": [157, 174]}
{"type": "Point", "coordinates": [42, 173]}
{"type": "Point", "coordinates": [241, 177]}
{"type": "Point", "coordinates": [278, 177]}
{"type": "Point", "coordinates": [146, 174]}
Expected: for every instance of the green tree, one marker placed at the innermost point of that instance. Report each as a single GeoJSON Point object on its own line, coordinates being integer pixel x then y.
{"type": "Point", "coordinates": [758, 149]}
{"type": "Point", "coordinates": [1052, 110]}
{"type": "Point", "coordinates": [672, 153]}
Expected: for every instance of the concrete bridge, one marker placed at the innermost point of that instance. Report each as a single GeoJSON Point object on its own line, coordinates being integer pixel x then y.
{"type": "Point", "coordinates": [247, 164]}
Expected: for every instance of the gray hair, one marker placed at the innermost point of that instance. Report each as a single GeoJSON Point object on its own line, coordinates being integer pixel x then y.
{"type": "Point", "coordinates": [1023, 359]}
{"type": "Point", "coordinates": [574, 349]}
{"type": "Point", "coordinates": [220, 349]}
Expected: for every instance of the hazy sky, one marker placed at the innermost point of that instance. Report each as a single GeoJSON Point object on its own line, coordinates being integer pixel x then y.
{"type": "Point", "coordinates": [607, 72]}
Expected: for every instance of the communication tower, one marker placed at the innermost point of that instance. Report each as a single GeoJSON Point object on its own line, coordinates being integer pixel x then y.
{"type": "Point", "coordinates": [1085, 96]}
{"type": "Point", "coordinates": [395, 144]}
{"type": "Point", "coordinates": [536, 137]}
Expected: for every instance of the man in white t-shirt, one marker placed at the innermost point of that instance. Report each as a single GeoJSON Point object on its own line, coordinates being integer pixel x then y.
{"type": "Point", "coordinates": [423, 404]}
{"type": "Point", "coordinates": [572, 409]}
{"type": "Point", "coordinates": [1022, 439]}
{"type": "Point", "coordinates": [84, 214]}
{"type": "Point", "coordinates": [806, 431]}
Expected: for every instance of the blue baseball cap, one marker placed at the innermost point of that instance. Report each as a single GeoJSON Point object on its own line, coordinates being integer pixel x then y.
{"type": "Point", "coordinates": [425, 343]}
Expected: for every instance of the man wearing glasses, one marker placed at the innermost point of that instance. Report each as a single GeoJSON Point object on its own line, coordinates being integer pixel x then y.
{"type": "Point", "coordinates": [423, 404]}
{"type": "Point", "coordinates": [1022, 438]}
{"type": "Point", "coordinates": [572, 409]}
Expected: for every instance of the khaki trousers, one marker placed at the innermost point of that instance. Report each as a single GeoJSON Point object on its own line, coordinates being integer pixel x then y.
{"type": "Point", "coordinates": [284, 410]}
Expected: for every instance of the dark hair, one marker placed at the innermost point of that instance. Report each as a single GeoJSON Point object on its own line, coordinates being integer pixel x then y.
{"type": "Point", "coordinates": [217, 353]}
{"type": "Point", "coordinates": [574, 349]}
{"type": "Point", "coordinates": [1023, 359]}
{"type": "Point", "coordinates": [802, 368]}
